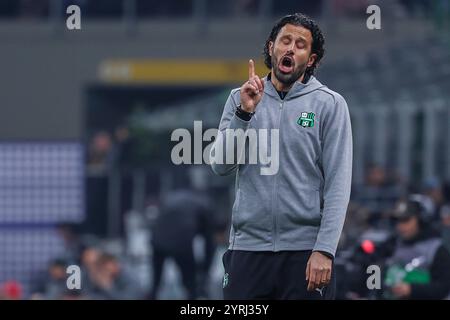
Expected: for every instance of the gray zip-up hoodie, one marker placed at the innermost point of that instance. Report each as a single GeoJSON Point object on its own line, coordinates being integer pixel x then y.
{"type": "Point", "coordinates": [303, 205]}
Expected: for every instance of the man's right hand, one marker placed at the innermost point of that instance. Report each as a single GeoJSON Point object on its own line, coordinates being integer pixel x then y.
{"type": "Point", "coordinates": [252, 90]}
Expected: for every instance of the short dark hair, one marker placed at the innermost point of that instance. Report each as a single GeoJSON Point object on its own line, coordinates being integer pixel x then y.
{"type": "Point", "coordinates": [58, 263]}
{"type": "Point", "coordinates": [298, 19]}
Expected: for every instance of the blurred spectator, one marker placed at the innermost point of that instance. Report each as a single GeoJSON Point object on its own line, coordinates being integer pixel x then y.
{"type": "Point", "coordinates": [445, 215]}
{"type": "Point", "coordinates": [427, 205]}
{"type": "Point", "coordinates": [184, 215]}
{"type": "Point", "coordinates": [110, 281]}
{"type": "Point", "coordinates": [72, 246]}
{"type": "Point", "coordinates": [356, 222]}
{"type": "Point", "coordinates": [53, 284]}
{"type": "Point", "coordinates": [445, 225]}
{"type": "Point", "coordinates": [433, 191]}
{"type": "Point", "coordinates": [102, 277]}
{"type": "Point", "coordinates": [100, 151]}
{"type": "Point", "coordinates": [121, 148]}
{"type": "Point", "coordinates": [419, 267]}
{"type": "Point", "coordinates": [88, 258]}
{"type": "Point", "coordinates": [378, 194]}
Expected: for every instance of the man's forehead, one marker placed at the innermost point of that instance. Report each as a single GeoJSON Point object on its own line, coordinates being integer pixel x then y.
{"type": "Point", "coordinates": [295, 31]}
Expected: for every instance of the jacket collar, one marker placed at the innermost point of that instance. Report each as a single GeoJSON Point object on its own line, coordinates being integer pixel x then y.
{"type": "Point", "coordinates": [298, 88]}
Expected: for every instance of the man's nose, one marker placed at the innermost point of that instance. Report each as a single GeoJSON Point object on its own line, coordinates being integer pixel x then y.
{"type": "Point", "coordinates": [291, 50]}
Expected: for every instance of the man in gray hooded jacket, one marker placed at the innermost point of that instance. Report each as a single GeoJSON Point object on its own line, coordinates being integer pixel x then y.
{"type": "Point", "coordinates": [286, 222]}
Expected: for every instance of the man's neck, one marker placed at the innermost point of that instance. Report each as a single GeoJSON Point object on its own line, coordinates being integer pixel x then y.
{"type": "Point", "coordinates": [281, 86]}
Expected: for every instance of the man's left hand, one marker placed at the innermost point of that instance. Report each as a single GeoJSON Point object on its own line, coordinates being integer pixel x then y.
{"type": "Point", "coordinates": [318, 271]}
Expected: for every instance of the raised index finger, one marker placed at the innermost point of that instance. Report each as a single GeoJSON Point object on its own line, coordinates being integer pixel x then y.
{"type": "Point", "coordinates": [251, 69]}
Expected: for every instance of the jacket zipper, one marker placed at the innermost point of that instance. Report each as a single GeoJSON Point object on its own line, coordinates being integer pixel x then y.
{"type": "Point", "coordinates": [275, 185]}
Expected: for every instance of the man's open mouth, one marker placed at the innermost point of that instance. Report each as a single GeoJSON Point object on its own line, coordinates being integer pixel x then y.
{"type": "Point", "coordinates": [286, 64]}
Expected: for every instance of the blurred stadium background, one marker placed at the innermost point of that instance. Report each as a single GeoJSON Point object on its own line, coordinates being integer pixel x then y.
{"type": "Point", "coordinates": [86, 118]}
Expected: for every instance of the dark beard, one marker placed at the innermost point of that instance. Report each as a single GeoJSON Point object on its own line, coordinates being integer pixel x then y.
{"type": "Point", "coordinates": [287, 79]}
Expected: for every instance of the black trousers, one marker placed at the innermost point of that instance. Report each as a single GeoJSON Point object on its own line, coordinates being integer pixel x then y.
{"type": "Point", "coordinates": [270, 275]}
{"type": "Point", "coordinates": [186, 262]}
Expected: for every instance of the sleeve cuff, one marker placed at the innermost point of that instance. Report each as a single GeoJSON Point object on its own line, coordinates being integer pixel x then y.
{"type": "Point", "coordinates": [238, 123]}
{"type": "Point", "coordinates": [325, 253]}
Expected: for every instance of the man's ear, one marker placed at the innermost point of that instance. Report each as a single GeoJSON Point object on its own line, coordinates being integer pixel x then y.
{"type": "Point", "coordinates": [312, 58]}
{"type": "Point", "coordinates": [270, 48]}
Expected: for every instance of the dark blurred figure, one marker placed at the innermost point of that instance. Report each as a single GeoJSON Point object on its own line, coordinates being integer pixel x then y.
{"type": "Point", "coordinates": [378, 194]}
{"type": "Point", "coordinates": [245, 7]}
{"type": "Point", "coordinates": [111, 282]}
{"type": "Point", "coordinates": [72, 246]}
{"type": "Point", "coordinates": [434, 198]}
{"type": "Point", "coordinates": [89, 257]}
{"type": "Point", "coordinates": [419, 267]}
{"type": "Point", "coordinates": [311, 8]}
{"type": "Point", "coordinates": [99, 157]}
{"type": "Point", "coordinates": [356, 223]}
{"type": "Point", "coordinates": [53, 284]}
{"type": "Point", "coordinates": [34, 8]}
{"type": "Point", "coordinates": [372, 247]}
{"type": "Point", "coordinates": [171, 8]}
{"type": "Point", "coordinates": [444, 215]}
{"type": "Point", "coordinates": [184, 214]}
{"type": "Point", "coordinates": [414, 7]}
{"type": "Point", "coordinates": [445, 225]}
{"type": "Point", "coordinates": [121, 148]}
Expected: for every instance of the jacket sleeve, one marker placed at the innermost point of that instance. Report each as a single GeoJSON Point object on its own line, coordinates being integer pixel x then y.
{"type": "Point", "coordinates": [439, 287]}
{"type": "Point", "coordinates": [336, 161]}
{"type": "Point", "coordinates": [230, 141]}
